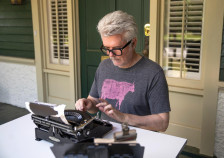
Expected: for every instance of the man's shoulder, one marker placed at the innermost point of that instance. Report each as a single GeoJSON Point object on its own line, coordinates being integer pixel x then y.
{"type": "Point", "coordinates": [149, 64]}
{"type": "Point", "coordinates": [105, 64]}
{"type": "Point", "coordinates": [105, 61]}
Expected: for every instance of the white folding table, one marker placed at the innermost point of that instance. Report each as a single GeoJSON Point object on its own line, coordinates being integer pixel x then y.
{"type": "Point", "coordinates": [17, 140]}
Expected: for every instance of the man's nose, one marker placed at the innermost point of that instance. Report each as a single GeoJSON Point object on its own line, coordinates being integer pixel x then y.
{"type": "Point", "coordinates": [111, 54]}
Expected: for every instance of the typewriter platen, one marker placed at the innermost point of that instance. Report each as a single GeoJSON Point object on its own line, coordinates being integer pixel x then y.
{"type": "Point", "coordinates": [55, 124]}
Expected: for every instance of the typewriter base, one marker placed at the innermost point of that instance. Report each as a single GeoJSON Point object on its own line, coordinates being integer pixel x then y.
{"type": "Point", "coordinates": [52, 137]}
{"type": "Point", "coordinates": [97, 129]}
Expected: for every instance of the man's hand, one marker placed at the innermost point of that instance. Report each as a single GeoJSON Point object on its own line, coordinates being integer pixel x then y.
{"type": "Point", "coordinates": [87, 104]}
{"type": "Point", "coordinates": [155, 122]}
{"type": "Point", "coordinates": [83, 104]}
{"type": "Point", "coordinates": [110, 111]}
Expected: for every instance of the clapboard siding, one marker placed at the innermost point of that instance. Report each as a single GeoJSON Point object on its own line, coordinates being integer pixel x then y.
{"type": "Point", "coordinates": [16, 31]}
{"type": "Point", "coordinates": [15, 22]}
{"type": "Point", "coordinates": [16, 38]}
{"type": "Point", "coordinates": [16, 35]}
{"type": "Point", "coordinates": [17, 15]}
{"type": "Point", "coordinates": [16, 45]}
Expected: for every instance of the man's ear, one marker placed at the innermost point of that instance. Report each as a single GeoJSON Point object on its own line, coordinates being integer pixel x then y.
{"type": "Point", "coordinates": [134, 42]}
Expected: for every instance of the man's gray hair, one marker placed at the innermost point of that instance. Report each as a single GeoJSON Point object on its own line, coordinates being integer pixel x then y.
{"type": "Point", "coordinates": [118, 22]}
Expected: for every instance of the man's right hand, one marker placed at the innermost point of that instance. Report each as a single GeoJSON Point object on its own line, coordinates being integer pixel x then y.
{"type": "Point", "coordinates": [83, 104]}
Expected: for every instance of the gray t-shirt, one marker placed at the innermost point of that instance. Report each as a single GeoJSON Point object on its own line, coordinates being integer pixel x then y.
{"type": "Point", "coordinates": [141, 89]}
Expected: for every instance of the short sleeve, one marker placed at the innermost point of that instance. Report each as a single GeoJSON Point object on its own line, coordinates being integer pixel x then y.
{"type": "Point", "coordinates": [94, 91]}
{"type": "Point", "coordinates": [158, 95]}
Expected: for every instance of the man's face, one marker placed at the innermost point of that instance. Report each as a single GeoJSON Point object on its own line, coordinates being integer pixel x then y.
{"type": "Point", "coordinates": [116, 41]}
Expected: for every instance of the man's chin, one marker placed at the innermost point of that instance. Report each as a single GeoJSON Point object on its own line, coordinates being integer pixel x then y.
{"type": "Point", "coordinates": [115, 62]}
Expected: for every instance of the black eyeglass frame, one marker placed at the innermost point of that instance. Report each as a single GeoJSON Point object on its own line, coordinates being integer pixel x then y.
{"type": "Point", "coordinates": [111, 50]}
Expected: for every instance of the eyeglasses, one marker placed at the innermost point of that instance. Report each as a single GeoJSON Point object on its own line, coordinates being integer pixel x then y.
{"type": "Point", "coordinates": [115, 51]}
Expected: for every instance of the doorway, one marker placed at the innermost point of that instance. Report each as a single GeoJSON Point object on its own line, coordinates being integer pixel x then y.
{"type": "Point", "coordinates": [90, 12]}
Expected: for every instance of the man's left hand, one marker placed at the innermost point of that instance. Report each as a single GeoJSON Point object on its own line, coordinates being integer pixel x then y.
{"type": "Point", "coordinates": [109, 110]}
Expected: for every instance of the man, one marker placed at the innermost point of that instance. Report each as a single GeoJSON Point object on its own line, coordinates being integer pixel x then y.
{"type": "Point", "coordinates": [127, 87]}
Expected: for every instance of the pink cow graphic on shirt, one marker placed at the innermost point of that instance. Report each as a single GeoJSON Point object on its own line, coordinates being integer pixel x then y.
{"type": "Point", "coordinates": [112, 89]}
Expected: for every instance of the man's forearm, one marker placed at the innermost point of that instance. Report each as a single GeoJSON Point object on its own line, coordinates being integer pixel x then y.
{"type": "Point", "coordinates": [156, 122]}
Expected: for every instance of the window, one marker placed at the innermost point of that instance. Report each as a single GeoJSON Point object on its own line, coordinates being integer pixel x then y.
{"type": "Point", "coordinates": [182, 38]}
{"type": "Point", "coordinates": [58, 18]}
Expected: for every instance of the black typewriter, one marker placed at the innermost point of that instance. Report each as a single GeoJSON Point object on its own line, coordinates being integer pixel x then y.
{"type": "Point", "coordinates": [57, 125]}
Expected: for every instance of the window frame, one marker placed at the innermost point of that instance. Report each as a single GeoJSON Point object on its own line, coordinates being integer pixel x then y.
{"type": "Point", "coordinates": [179, 83]}
{"type": "Point", "coordinates": [47, 38]}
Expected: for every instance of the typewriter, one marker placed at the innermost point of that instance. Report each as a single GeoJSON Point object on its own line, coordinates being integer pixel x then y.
{"type": "Point", "coordinates": [57, 125]}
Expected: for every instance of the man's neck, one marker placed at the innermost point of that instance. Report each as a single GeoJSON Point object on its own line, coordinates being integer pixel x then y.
{"type": "Point", "coordinates": [135, 58]}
